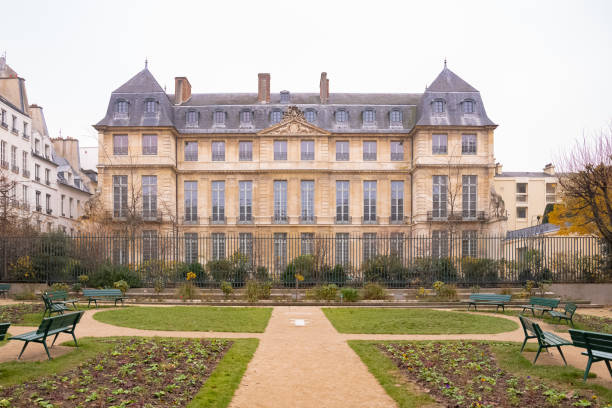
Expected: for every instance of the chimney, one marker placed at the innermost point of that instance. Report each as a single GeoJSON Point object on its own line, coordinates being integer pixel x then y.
{"type": "Point", "coordinates": [324, 88]}
{"type": "Point", "coordinates": [549, 169]}
{"type": "Point", "coordinates": [498, 169]}
{"type": "Point", "coordinates": [263, 89]}
{"type": "Point", "coordinates": [68, 148]}
{"type": "Point", "coordinates": [182, 90]}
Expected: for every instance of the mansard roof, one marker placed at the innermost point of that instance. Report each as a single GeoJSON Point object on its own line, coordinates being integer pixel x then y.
{"type": "Point", "coordinates": [448, 81]}
{"type": "Point", "coordinates": [142, 82]}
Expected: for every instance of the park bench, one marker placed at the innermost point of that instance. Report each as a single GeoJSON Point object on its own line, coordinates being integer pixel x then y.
{"type": "Point", "coordinates": [489, 299]}
{"type": "Point", "coordinates": [545, 339]}
{"type": "Point", "coordinates": [539, 303]}
{"type": "Point", "coordinates": [4, 289]}
{"type": "Point", "coordinates": [61, 297]}
{"type": "Point", "coordinates": [598, 346]}
{"type": "Point", "coordinates": [93, 295]}
{"type": "Point", "coordinates": [49, 326]}
{"type": "Point", "coordinates": [53, 307]}
{"type": "Point", "coordinates": [567, 314]}
{"type": "Point", "coordinates": [3, 329]}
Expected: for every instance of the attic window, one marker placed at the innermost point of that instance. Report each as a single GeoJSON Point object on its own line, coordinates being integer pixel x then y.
{"type": "Point", "coordinates": [275, 116]}
{"type": "Point", "coordinates": [438, 106]}
{"type": "Point", "coordinates": [341, 116]}
{"type": "Point", "coordinates": [245, 117]}
{"type": "Point", "coordinates": [368, 116]}
{"type": "Point", "coordinates": [121, 108]}
{"type": "Point", "coordinates": [219, 118]}
{"type": "Point", "coordinates": [395, 117]}
{"type": "Point", "coordinates": [310, 115]}
{"type": "Point", "coordinates": [192, 118]}
{"type": "Point", "coordinates": [468, 106]}
{"type": "Point", "coordinates": [150, 106]}
{"type": "Point", "coordinates": [284, 97]}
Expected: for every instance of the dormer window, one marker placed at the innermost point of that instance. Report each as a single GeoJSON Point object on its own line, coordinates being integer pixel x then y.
{"type": "Point", "coordinates": [275, 116]}
{"type": "Point", "coordinates": [438, 106]}
{"type": "Point", "coordinates": [121, 108]}
{"type": "Point", "coordinates": [468, 106]}
{"type": "Point", "coordinates": [246, 117]}
{"type": "Point", "coordinates": [368, 117]}
{"type": "Point", "coordinates": [310, 115]}
{"type": "Point", "coordinates": [150, 106]}
{"type": "Point", "coordinates": [284, 97]}
{"type": "Point", "coordinates": [341, 117]}
{"type": "Point", "coordinates": [219, 118]}
{"type": "Point", "coordinates": [395, 118]}
{"type": "Point", "coordinates": [192, 118]}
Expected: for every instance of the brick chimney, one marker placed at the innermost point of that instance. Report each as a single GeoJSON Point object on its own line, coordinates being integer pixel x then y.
{"type": "Point", "coordinates": [68, 148]}
{"type": "Point", "coordinates": [324, 88]}
{"type": "Point", "coordinates": [263, 89]}
{"type": "Point", "coordinates": [549, 169]}
{"type": "Point", "coordinates": [182, 90]}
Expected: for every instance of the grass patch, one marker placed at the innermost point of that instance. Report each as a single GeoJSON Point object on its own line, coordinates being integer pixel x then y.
{"type": "Point", "coordinates": [190, 318]}
{"type": "Point", "coordinates": [414, 321]}
{"type": "Point", "coordinates": [219, 389]}
{"type": "Point", "coordinates": [388, 375]}
{"type": "Point", "coordinates": [34, 319]}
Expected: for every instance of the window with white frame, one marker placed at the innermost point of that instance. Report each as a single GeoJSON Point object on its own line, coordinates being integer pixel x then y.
{"type": "Point", "coordinates": [245, 191]}
{"type": "Point", "coordinates": [218, 201]}
{"type": "Point", "coordinates": [310, 115]}
{"type": "Point", "coordinates": [280, 251]}
{"type": "Point", "coordinates": [397, 201]}
{"type": "Point", "coordinates": [369, 245]}
{"type": "Point", "coordinates": [120, 196]}
{"type": "Point", "coordinates": [440, 196]}
{"type": "Point", "coordinates": [368, 117]}
{"type": "Point", "coordinates": [395, 117]}
{"type": "Point", "coordinates": [150, 106]}
{"type": "Point", "coordinates": [468, 144]}
{"type": "Point", "coordinates": [307, 190]}
{"type": "Point", "coordinates": [280, 200]}
{"type": "Point", "coordinates": [438, 106]}
{"type": "Point", "coordinates": [245, 151]}
{"type": "Point", "coordinates": [245, 245]}
{"type": "Point", "coordinates": [120, 145]}
{"type": "Point", "coordinates": [521, 212]}
{"type": "Point", "coordinates": [191, 247]}
{"type": "Point", "coordinates": [307, 149]}
{"type": "Point", "coordinates": [341, 117]}
{"type": "Point", "coordinates": [521, 192]}
{"type": "Point", "coordinates": [369, 150]}
{"type": "Point", "coordinates": [218, 151]}
{"type": "Point", "coordinates": [62, 200]}
{"type": "Point", "coordinates": [149, 144]}
{"type": "Point", "coordinates": [219, 118]}
{"type": "Point", "coordinates": [192, 118]}
{"type": "Point", "coordinates": [218, 245]}
{"type": "Point", "coordinates": [468, 106]}
{"type": "Point", "coordinates": [439, 244]}
{"type": "Point", "coordinates": [369, 201]}
{"type": "Point", "coordinates": [280, 150]}
{"type": "Point", "coordinates": [439, 143]}
{"type": "Point", "coordinates": [342, 248]}
{"type": "Point", "coordinates": [70, 202]}
{"type": "Point", "coordinates": [397, 150]}
{"type": "Point", "coordinates": [121, 108]}
{"type": "Point", "coordinates": [191, 151]}
{"type": "Point", "coordinates": [275, 116]}
{"type": "Point", "coordinates": [469, 196]}
{"type": "Point", "coordinates": [306, 243]}
{"type": "Point", "coordinates": [149, 196]}
{"type": "Point", "coordinates": [120, 249]}
{"type": "Point", "coordinates": [342, 150]}
{"type": "Point", "coordinates": [342, 201]}
{"type": "Point", "coordinates": [469, 244]}
{"type": "Point", "coordinates": [396, 245]}
{"type": "Point", "coordinates": [246, 117]}
{"type": "Point", "coordinates": [191, 201]}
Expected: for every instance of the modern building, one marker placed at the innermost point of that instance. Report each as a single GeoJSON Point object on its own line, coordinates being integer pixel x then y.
{"type": "Point", "coordinates": [299, 164]}
{"type": "Point", "coordinates": [526, 195]}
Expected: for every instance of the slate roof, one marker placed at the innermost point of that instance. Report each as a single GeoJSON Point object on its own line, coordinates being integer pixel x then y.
{"type": "Point", "coordinates": [64, 165]}
{"type": "Point", "coordinates": [532, 231]}
{"type": "Point", "coordinates": [144, 86]}
{"type": "Point", "coordinates": [524, 174]}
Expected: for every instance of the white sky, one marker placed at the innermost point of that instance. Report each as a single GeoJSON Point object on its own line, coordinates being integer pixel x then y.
{"type": "Point", "coordinates": [543, 67]}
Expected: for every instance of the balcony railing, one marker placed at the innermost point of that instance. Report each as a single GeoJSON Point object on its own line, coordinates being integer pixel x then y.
{"type": "Point", "coordinates": [48, 182]}
{"type": "Point", "coordinates": [369, 220]}
{"type": "Point", "coordinates": [280, 155]}
{"type": "Point", "coordinates": [26, 173]}
{"type": "Point", "coordinates": [4, 125]}
{"type": "Point", "coordinates": [37, 178]}
{"type": "Point", "coordinates": [369, 156]}
{"type": "Point", "coordinates": [15, 131]}
{"type": "Point", "coordinates": [280, 219]}
{"type": "Point", "coordinates": [218, 157]}
{"type": "Point", "coordinates": [248, 219]}
{"type": "Point", "coordinates": [191, 157]}
{"type": "Point", "coordinates": [217, 219]}
{"type": "Point", "coordinates": [38, 208]}
{"type": "Point", "coordinates": [308, 219]}
{"type": "Point", "coordinates": [245, 156]}
{"type": "Point", "coordinates": [15, 169]}
{"type": "Point", "coordinates": [397, 156]}
{"type": "Point", "coordinates": [191, 219]}
{"type": "Point", "coordinates": [463, 216]}
{"type": "Point", "coordinates": [342, 156]}
{"type": "Point", "coordinates": [343, 219]}
{"type": "Point", "coordinates": [398, 220]}
{"type": "Point", "coordinates": [152, 215]}
{"type": "Point", "coordinates": [49, 211]}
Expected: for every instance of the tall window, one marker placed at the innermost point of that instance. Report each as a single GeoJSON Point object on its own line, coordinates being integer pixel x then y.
{"type": "Point", "coordinates": [150, 106]}
{"type": "Point", "coordinates": [396, 244]}
{"type": "Point", "coordinates": [149, 196]}
{"type": "Point", "coordinates": [120, 145]}
{"type": "Point", "coordinates": [438, 106]}
{"type": "Point", "coordinates": [218, 245]}
{"type": "Point", "coordinates": [191, 247]}
{"type": "Point", "coordinates": [38, 205]}
{"type": "Point", "coordinates": [397, 151]}
{"type": "Point", "coordinates": [218, 151]}
{"type": "Point", "coordinates": [245, 244]}
{"type": "Point", "coordinates": [47, 176]}
{"type": "Point", "coordinates": [219, 118]}
{"type": "Point", "coordinates": [439, 144]}
{"type": "Point", "coordinates": [48, 203]}
{"type": "Point", "coordinates": [280, 150]}
{"type": "Point", "coordinates": [307, 150]}
{"type": "Point", "coordinates": [468, 144]}
{"type": "Point", "coordinates": [119, 196]}
{"type": "Point", "coordinates": [310, 115]}
{"type": "Point", "coordinates": [276, 116]}
{"type": "Point", "coordinates": [70, 202]}
{"type": "Point", "coordinates": [469, 243]}
{"type": "Point", "coordinates": [307, 201]}
{"type": "Point", "coordinates": [440, 196]}
{"type": "Point", "coordinates": [369, 201]}
{"type": "Point", "coordinates": [342, 248]}
{"type": "Point", "coordinates": [342, 150]}
{"type": "Point", "coordinates": [246, 201]}
{"type": "Point", "coordinates": [521, 212]}
{"type": "Point", "coordinates": [191, 151]}
{"type": "Point", "coordinates": [469, 196]}
{"type": "Point", "coordinates": [468, 106]}
{"type": "Point", "coordinates": [307, 243]}
{"type": "Point", "coordinates": [192, 118]}
{"type": "Point", "coordinates": [521, 192]}
{"type": "Point", "coordinates": [26, 172]}
{"type": "Point", "coordinates": [280, 201]}
{"type": "Point", "coordinates": [25, 196]}
{"type": "Point", "coordinates": [439, 244]}
{"type": "Point", "coordinates": [149, 144]}
{"type": "Point", "coordinates": [369, 150]}
{"type": "Point", "coordinates": [218, 201]}
{"type": "Point", "coordinates": [280, 251]}
{"type": "Point", "coordinates": [3, 153]}
{"type": "Point", "coordinates": [149, 245]}
{"type": "Point", "coordinates": [37, 172]}
{"type": "Point", "coordinates": [191, 201]}
{"type": "Point", "coordinates": [342, 201]}
{"type": "Point", "coordinates": [397, 201]}
{"type": "Point", "coordinates": [14, 158]}
{"type": "Point", "coordinates": [245, 151]}
{"type": "Point", "coordinates": [369, 246]}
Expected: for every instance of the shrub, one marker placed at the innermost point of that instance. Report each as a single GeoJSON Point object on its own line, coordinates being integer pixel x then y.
{"type": "Point", "coordinates": [227, 289]}
{"type": "Point", "coordinates": [234, 270]}
{"type": "Point", "coordinates": [76, 287]}
{"type": "Point", "coordinates": [336, 275]}
{"type": "Point", "coordinates": [107, 274]}
{"type": "Point", "coordinates": [325, 292]}
{"type": "Point", "coordinates": [386, 269]}
{"type": "Point", "coordinates": [265, 288]}
{"type": "Point", "coordinates": [349, 294]}
{"type": "Point", "coordinates": [121, 285]}
{"type": "Point", "coordinates": [480, 270]}
{"type": "Point", "coordinates": [427, 270]}
{"type": "Point", "coordinates": [50, 259]}
{"type": "Point", "coordinates": [83, 279]}
{"type": "Point", "coordinates": [261, 274]}
{"type": "Point", "coordinates": [303, 265]}
{"type": "Point", "coordinates": [22, 269]}
{"type": "Point", "coordinates": [60, 286]}
{"type": "Point", "coordinates": [220, 270]}
{"type": "Point", "coordinates": [257, 290]}
{"type": "Point", "coordinates": [444, 291]}
{"type": "Point", "coordinates": [374, 291]}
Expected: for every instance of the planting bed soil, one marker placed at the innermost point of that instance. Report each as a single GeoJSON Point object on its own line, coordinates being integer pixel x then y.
{"type": "Point", "coordinates": [593, 323]}
{"type": "Point", "coordinates": [466, 374]}
{"type": "Point", "coordinates": [137, 372]}
{"type": "Point", "coordinates": [15, 313]}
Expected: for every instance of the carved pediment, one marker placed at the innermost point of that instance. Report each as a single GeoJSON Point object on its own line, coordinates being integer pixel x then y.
{"type": "Point", "coordinates": [293, 123]}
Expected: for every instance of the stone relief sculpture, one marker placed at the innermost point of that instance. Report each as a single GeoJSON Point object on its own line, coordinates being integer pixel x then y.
{"type": "Point", "coordinates": [497, 205]}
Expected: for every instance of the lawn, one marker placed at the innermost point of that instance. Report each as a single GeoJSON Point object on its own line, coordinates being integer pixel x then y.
{"type": "Point", "coordinates": [474, 374]}
{"type": "Point", "coordinates": [414, 321]}
{"type": "Point", "coordinates": [120, 372]}
{"type": "Point", "coordinates": [30, 314]}
{"type": "Point", "coordinates": [190, 318]}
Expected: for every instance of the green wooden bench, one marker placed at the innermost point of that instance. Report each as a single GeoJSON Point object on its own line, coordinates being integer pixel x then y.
{"type": "Point", "coordinates": [61, 297]}
{"type": "Point", "coordinates": [545, 339]}
{"type": "Point", "coordinates": [4, 289]}
{"type": "Point", "coordinates": [567, 314]}
{"type": "Point", "coordinates": [489, 299]}
{"type": "Point", "coordinates": [49, 326]}
{"type": "Point", "coordinates": [540, 303]}
{"type": "Point", "coordinates": [598, 346]}
{"type": "Point", "coordinates": [3, 329]}
{"type": "Point", "coordinates": [53, 307]}
{"type": "Point", "coordinates": [93, 295]}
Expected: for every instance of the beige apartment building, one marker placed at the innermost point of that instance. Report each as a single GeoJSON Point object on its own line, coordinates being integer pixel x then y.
{"type": "Point", "coordinates": [526, 195]}
{"type": "Point", "coordinates": [299, 164]}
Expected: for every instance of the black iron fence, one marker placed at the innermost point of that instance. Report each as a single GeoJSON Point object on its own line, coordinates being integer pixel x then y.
{"type": "Point", "coordinates": [396, 261]}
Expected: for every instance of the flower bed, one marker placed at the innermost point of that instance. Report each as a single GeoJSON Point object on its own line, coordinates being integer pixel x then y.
{"type": "Point", "coordinates": [594, 323]}
{"type": "Point", "coordinates": [136, 372]}
{"type": "Point", "coordinates": [466, 374]}
{"type": "Point", "coordinates": [15, 313]}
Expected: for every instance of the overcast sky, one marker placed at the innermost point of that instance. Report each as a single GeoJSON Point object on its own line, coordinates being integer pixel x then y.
{"type": "Point", "coordinates": [543, 67]}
